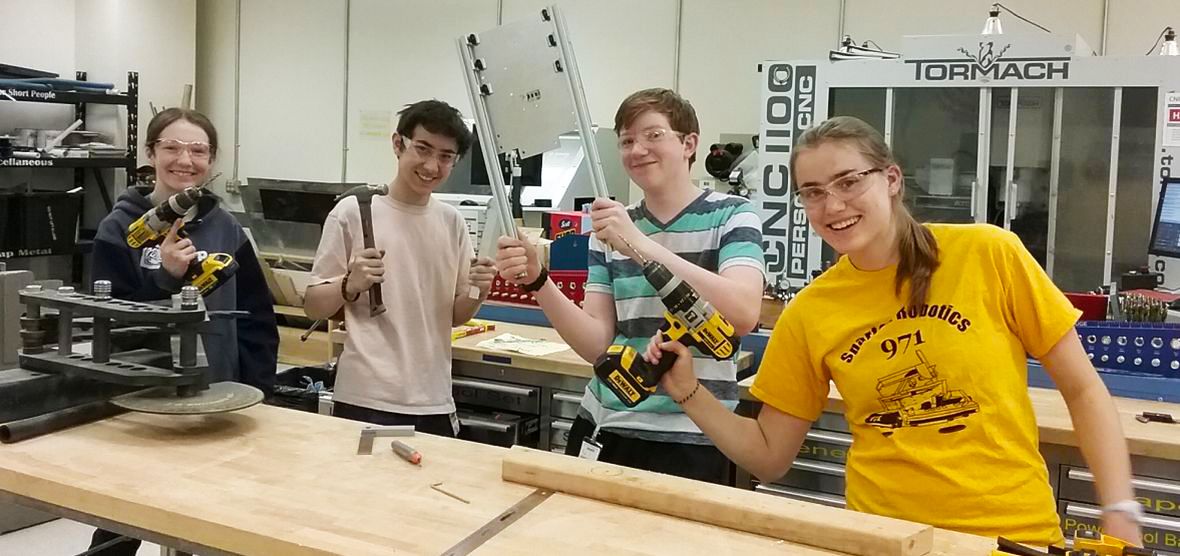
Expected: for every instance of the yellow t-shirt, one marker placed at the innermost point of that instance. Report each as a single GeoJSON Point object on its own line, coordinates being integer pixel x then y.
{"type": "Point", "coordinates": [936, 396]}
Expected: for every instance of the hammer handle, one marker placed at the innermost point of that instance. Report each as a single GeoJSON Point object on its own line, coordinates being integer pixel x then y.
{"type": "Point", "coordinates": [376, 306]}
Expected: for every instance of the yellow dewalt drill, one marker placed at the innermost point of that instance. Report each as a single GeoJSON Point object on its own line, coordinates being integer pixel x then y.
{"type": "Point", "coordinates": [151, 229]}
{"type": "Point", "coordinates": [1085, 543]}
{"type": "Point", "coordinates": [688, 319]}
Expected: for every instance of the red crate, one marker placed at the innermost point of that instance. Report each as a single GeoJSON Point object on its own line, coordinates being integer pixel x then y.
{"type": "Point", "coordinates": [1093, 305]}
{"type": "Point", "coordinates": [572, 283]}
{"type": "Point", "coordinates": [508, 292]}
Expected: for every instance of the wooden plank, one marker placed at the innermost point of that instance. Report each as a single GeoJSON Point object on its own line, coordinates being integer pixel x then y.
{"type": "Point", "coordinates": [317, 350]}
{"type": "Point", "coordinates": [790, 520]}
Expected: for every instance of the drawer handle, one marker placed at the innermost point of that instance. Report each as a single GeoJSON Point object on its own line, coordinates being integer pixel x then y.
{"type": "Point", "coordinates": [1149, 520]}
{"type": "Point", "coordinates": [801, 495]}
{"type": "Point", "coordinates": [561, 425]}
{"type": "Point", "coordinates": [819, 467]}
{"type": "Point", "coordinates": [830, 438]}
{"type": "Point", "coordinates": [484, 424]}
{"type": "Point", "coordinates": [1137, 482]}
{"type": "Point", "coordinates": [566, 398]}
{"type": "Point", "coordinates": [495, 387]}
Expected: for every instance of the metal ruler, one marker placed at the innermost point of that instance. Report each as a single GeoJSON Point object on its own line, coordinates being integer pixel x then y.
{"type": "Point", "coordinates": [499, 523]}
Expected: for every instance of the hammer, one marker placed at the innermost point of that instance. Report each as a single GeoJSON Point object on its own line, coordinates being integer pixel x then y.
{"type": "Point", "coordinates": [364, 197]}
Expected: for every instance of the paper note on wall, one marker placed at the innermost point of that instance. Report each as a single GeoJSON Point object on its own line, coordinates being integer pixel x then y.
{"type": "Point", "coordinates": [375, 124]}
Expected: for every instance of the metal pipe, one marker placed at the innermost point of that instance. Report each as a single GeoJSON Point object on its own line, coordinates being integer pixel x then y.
{"type": "Point", "coordinates": [65, 332]}
{"type": "Point", "coordinates": [1105, 26]}
{"type": "Point", "coordinates": [1054, 179]}
{"type": "Point", "coordinates": [676, 36]}
{"type": "Point", "coordinates": [22, 429]}
{"type": "Point", "coordinates": [597, 177]}
{"type": "Point", "coordinates": [101, 344]}
{"type": "Point", "coordinates": [237, 88]}
{"type": "Point", "coordinates": [344, 123]}
{"type": "Point", "coordinates": [1112, 184]}
{"type": "Point", "coordinates": [840, 23]}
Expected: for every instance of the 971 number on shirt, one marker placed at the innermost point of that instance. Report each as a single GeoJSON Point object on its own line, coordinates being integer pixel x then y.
{"type": "Point", "coordinates": [902, 344]}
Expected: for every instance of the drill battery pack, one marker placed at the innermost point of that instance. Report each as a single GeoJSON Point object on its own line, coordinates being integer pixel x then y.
{"type": "Point", "coordinates": [212, 272]}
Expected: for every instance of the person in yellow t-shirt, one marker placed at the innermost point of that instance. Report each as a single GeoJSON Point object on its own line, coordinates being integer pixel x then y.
{"type": "Point", "coordinates": [924, 329]}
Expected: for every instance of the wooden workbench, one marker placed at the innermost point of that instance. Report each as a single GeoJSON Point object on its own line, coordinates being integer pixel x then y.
{"type": "Point", "coordinates": [276, 481]}
{"type": "Point", "coordinates": [563, 363]}
{"type": "Point", "coordinates": [1155, 440]}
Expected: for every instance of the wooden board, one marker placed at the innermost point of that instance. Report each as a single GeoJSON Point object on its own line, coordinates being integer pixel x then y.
{"type": "Point", "coordinates": [791, 520]}
{"type": "Point", "coordinates": [1154, 440]}
{"type": "Point", "coordinates": [274, 481]}
{"type": "Point", "coordinates": [317, 350]}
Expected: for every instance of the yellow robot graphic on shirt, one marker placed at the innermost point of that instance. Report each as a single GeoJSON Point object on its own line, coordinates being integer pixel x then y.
{"type": "Point", "coordinates": [916, 397]}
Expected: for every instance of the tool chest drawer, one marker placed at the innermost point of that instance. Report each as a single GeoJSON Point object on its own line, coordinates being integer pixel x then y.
{"type": "Point", "coordinates": [815, 476]}
{"type": "Point", "coordinates": [565, 404]}
{"type": "Point", "coordinates": [1158, 496]}
{"type": "Point", "coordinates": [500, 429]}
{"type": "Point", "coordinates": [559, 434]}
{"type": "Point", "coordinates": [826, 446]}
{"type": "Point", "coordinates": [829, 421]}
{"type": "Point", "coordinates": [497, 395]}
{"type": "Point", "coordinates": [1161, 534]}
{"type": "Point", "coordinates": [833, 500]}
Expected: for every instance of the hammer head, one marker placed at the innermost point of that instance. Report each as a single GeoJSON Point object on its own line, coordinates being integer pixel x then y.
{"type": "Point", "coordinates": [364, 193]}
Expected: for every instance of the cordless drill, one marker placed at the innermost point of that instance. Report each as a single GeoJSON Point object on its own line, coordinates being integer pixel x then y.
{"type": "Point", "coordinates": [151, 229]}
{"type": "Point", "coordinates": [1085, 543]}
{"type": "Point", "coordinates": [688, 319]}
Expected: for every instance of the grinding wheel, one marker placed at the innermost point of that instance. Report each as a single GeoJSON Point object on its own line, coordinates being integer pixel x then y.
{"type": "Point", "coordinates": [220, 397]}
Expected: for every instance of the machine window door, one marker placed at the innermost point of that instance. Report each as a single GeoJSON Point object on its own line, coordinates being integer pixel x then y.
{"type": "Point", "coordinates": [936, 140]}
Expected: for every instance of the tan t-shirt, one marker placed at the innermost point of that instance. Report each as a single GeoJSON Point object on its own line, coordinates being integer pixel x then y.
{"type": "Point", "coordinates": [399, 361]}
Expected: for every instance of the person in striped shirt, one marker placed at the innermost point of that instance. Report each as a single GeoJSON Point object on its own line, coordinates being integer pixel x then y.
{"type": "Point", "coordinates": [711, 240]}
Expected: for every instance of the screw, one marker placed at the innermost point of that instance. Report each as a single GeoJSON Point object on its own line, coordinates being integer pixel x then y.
{"type": "Point", "coordinates": [102, 289]}
{"type": "Point", "coordinates": [485, 89]}
{"type": "Point", "coordinates": [188, 297]}
{"type": "Point", "coordinates": [557, 66]}
{"type": "Point", "coordinates": [33, 288]}
{"type": "Point", "coordinates": [480, 65]}
{"type": "Point", "coordinates": [545, 15]}
{"type": "Point", "coordinates": [65, 290]}
{"type": "Point", "coordinates": [472, 39]}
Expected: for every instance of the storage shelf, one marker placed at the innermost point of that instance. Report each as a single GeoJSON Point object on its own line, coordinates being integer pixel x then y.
{"type": "Point", "coordinates": [98, 162]}
{"type": "Point", "coordinates": [63, 97]}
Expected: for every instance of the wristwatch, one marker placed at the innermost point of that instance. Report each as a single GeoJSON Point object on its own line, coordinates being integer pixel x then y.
{"type": "Point", "coordinates": [1132, 509]}
{"type": "Point", "coordinates": [536, 284]}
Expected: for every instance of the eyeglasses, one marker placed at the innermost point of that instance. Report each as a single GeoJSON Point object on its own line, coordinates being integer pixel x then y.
{"type": "Point", "coordinates": [647, 138]}
{"type": "Point", "coordinates": [845, 188]}
{"type": "Point", "coordinates": [198, 150]}
{"type": "Point", "coordinates": [426, 151]}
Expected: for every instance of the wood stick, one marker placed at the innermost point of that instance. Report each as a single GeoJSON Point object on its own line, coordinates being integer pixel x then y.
{"type": "Point", "coordinates": [773, 516]}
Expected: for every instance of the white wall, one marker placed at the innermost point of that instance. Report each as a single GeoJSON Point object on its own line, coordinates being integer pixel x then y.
{"type": "Point", "coordinates": [292, 89]}
{"type": "Point", "coordinates": [1136, 24]}
{"type": "Point", "coordinates": [388, 70]}
{"type": "Point", "coordinates": [156, 39]}
{"type": "Point", "coordinates": [215, 93]}
{"type": "Point", "coordinates": [402, 50]}
{"type": "Point", "coordinates": [721, 46]}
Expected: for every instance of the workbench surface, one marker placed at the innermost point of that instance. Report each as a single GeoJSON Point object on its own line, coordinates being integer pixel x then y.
{"type": "Point", "coordinates": [274, 481]}
{"type": "Point", "coordinates": [1156, 440]}
{"type": "Point", "coordinates": [564, 362]}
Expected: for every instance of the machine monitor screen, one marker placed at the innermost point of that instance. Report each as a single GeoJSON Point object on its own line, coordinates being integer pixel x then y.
{"type": "Point", "coordinates": [1165, 231]}
{"type": "Point", "coordinates": [297, 206]}
{"type": "Point", "coordinates": [530, 167]}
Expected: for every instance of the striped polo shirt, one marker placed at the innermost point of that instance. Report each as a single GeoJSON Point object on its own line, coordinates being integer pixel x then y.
{"type": "Point", "coordinates": [715, 232]}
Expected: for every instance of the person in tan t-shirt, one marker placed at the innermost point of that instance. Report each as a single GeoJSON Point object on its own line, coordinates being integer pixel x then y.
{"type": "Point", "coordinates": [396, 367]}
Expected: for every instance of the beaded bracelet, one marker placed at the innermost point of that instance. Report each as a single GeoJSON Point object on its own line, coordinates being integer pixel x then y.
{"type": "Point", "coordinates": [690, 394]}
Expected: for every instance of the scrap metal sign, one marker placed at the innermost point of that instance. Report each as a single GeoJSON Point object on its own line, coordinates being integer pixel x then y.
{"type": "Point", "coordinates": [790, 106]}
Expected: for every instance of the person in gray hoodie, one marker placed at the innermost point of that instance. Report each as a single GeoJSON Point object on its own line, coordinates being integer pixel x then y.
{"type": "Point", "coordinates": [182, 145]}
